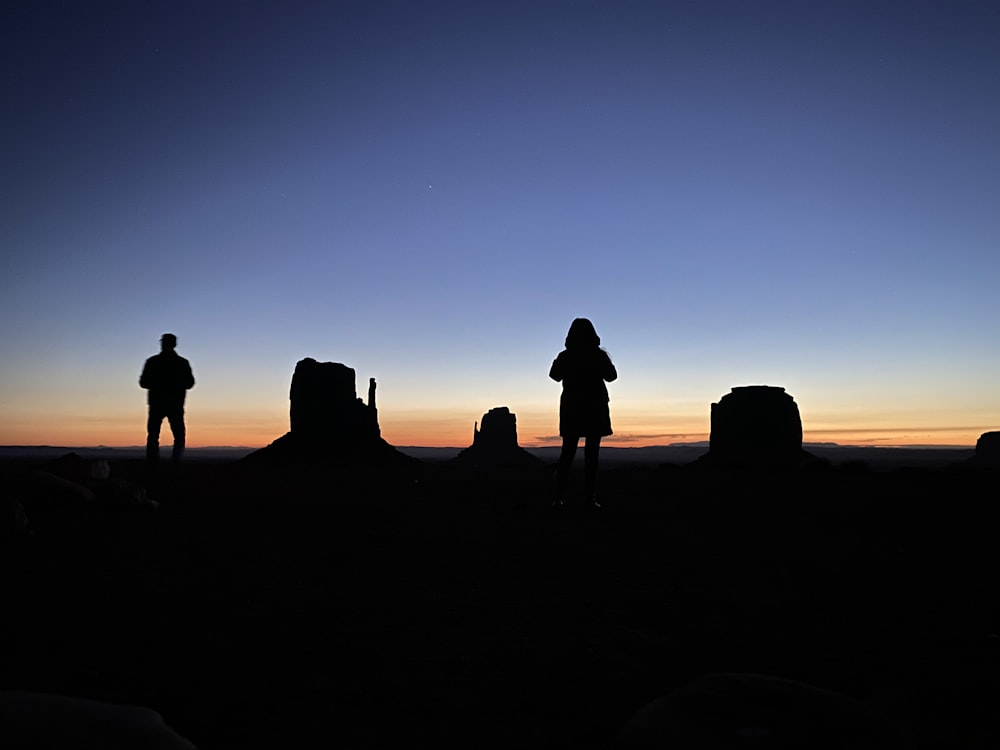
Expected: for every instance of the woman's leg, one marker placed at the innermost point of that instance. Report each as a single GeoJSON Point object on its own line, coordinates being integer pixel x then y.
{"type": "Point", "coordinates": [590, 455]}
{"type": "Point", "coordinates": [566, 457]}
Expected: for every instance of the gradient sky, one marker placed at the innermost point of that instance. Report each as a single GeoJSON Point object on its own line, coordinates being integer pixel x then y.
{"type": "Point", "coordinates": [785, 193]}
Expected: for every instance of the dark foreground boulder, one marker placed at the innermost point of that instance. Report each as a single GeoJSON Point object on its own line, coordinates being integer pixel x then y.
{"type": "Point", "coordinates": [58, 722]}
{"type": "Point", "coordinates": [495, 443]}
{"type": "Point", "coordinates": [73, 480]}
{"type": "Point", "coordinates": [13, 520]}
{"type": "Point", "coordinates": [756, 426]}
{"type": "Point", "coordinates": [756, 711]}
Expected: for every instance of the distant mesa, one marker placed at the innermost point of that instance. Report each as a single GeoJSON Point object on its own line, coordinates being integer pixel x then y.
{"type": "Point", "coordinates": [330, 425]}
{"type": "Point", "coordinates": [756, 426]}
{"type": "Point", "coordinates": [495, 444]}
{"type": "Point", "coordinates": [987, 451]}
{"type": "Point", "coordinates": [324, 403]}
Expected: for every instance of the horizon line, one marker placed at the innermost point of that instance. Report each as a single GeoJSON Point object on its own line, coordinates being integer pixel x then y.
{"type": "Point", "coordinates": [691, 444]}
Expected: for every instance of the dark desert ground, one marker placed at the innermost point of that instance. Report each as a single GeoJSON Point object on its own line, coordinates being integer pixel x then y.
{"type": "Point", "coordinates": [428, 605]}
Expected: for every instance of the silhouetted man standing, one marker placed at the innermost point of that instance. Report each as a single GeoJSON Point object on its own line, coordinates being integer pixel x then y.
{"type": "Point", "coordinates": [167, 376]}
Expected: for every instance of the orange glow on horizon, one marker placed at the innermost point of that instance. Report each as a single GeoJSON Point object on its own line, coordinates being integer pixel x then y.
{"type": "Point", "coordinates": [896, 438]}
{"type": "Point", "coordinates": [258, 438]}
{"type": "Point", "coordinates": [432, 429]}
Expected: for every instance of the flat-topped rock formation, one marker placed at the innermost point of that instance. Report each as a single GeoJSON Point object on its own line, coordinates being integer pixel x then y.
{"type": "Point", "coordinates": [756, 426]}
{"type": "Point", "coordinates": [987, 451]}
{"type": "Point", "coordinates": [495, 443]}
{"type": "Point", "coordinates": [330, 424]}
{"type": "Point", "coordinates": [324, 402]}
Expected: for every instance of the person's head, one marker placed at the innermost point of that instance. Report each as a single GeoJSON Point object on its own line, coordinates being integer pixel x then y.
{"type": "Point", "coordinates": [582, 334]}
{"type": "Point", "coordinates": [168, 342]}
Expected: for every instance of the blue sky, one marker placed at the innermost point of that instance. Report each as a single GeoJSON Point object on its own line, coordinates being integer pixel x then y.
{"type": "Point", "coordinates": [735, 193]}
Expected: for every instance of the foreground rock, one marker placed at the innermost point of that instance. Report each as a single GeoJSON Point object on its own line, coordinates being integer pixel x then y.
{"type": "Point", "coordinates": [756, 426]}
{"type": "Point", "coordinates": [58, 722]}
{"type": "Point", "coordinates": [761, 711]}
{"type": "Point", "coordinates": [330, 425]}
{"type": "Point", "coordinates": [495, 444]}
{"type": "Point", "coordinates": [73, 480]}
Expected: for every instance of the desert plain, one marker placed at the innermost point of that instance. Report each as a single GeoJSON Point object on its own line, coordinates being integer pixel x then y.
{"type": "Point", "coordinates": [429, 605]}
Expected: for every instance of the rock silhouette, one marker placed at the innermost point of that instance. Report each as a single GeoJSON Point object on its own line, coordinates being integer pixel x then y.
{"type": "Point", "coordinates": [325, 404]}
{"type": "Point", "coordinates": [329, 423]}
{"type": "Point", "coordinates": [495, 444]}
{"type": "Point", "coordinates": [987, 451]}
{"type": "Point", "coordinates": [756, 426]}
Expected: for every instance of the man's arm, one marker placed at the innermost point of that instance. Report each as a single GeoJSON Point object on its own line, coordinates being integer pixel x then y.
{"type": "Point", "coordinates": [146, 377]}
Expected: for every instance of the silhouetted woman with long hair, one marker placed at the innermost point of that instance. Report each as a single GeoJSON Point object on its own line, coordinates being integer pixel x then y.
{"type": "Point", "coordinates": [582, 367]}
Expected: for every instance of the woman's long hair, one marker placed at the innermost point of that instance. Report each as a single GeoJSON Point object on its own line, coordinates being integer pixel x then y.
{"type": "Point", "coordinates": [582, 335]}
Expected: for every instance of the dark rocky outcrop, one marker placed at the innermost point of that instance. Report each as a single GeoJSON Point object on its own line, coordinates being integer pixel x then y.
{"type": "Point", "coordinates": [495, 443]}
{"type": "Point", "coordinates": [756, 426]}
{"type": "Point", "coordinates": [330, 425]}
{"type": "Point", "coordinates": [44, 720]}
{"type": "Point", "coordinates": [987, 451]}
{"type": "Point", "coordinates": [72, 480]}
{"type": "Point", "coordinates": [752, 710]}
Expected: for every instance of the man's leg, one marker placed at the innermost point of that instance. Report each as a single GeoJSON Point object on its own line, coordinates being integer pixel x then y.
{"type": "Point", "coordinates": [176, 420]}
{"type": "Point", "coordinates": [153, 437]}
